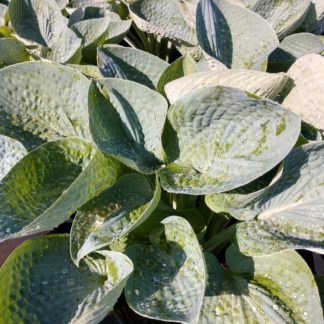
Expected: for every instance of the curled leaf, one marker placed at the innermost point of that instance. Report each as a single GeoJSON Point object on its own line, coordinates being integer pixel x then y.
{"type": "Point", "coordinates": [39, 283]}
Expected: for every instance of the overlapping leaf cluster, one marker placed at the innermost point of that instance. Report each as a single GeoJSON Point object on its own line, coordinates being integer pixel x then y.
{"type": "Point", "coordinates": [158, 127]}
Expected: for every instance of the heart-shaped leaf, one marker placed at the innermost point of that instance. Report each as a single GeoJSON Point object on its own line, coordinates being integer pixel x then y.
{"type": "Point", "coordinates": [11, 152]}
{"type": "Point", "coordinates": [126, 121]}
{"type": "Point", "coordinates": [260, 83]}
{"type": "Point", "coordinates": [113, 214]}
{"type": "Point", "coordinates": [168, 281]}
{"type": "Point", "coordinates": [42, 101]}
{"type": "Point", "coordinates": [218, 139]}
{"type": "Point", "coordinates": [276, 289]}
{"type": "Point", "coordinates": [39, 21]}
{"type": "Point", "coordinates": [234, 35]}
{"type": "Point", "coordinates": [163, 18]}
{"type": "Point", "coordinates": [131, 64]}
{"type": "Point", "coordinates": [284, 16]}
{"type": "Point", "coordinates": [40, 284]}
{"type": "Point", "coordinates": [13, 51]}
{"type": "Point", "coordinates": [307, 98]}
{"type": "Point", "coordinates": [45, 187]}
{"type": "Point", "coordinates": [289, 211]}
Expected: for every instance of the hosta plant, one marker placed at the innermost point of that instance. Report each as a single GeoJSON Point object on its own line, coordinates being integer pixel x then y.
{"type": "Point", "coordinates": [181, 144]}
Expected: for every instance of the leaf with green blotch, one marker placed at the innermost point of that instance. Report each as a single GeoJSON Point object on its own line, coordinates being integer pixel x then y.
{"type": "Point", "coordinates": [284, 16]}
{"type": "Point", "coordinates": [67, 49]}
{"type": "Point", "coordinates": [183, 66]}
{"type": "Point", "coordinates": [271, 289]}
{"type": "Point", "coordinates": [39, 21]}
{"type": "Point", "coordinates": [11, 152]}
{"type": "Point", "coordinates": [126, 121]}
{"type": "Point", "coordinates": [307, 97]}
{"type": "Point", "coordinates": [217, 139]}
{"type": "Point", "coordinates": [234, 35]}
{"type": "Point", "coordinates": [90, 71]}
{"type": "Point", "coordinates": [40, 284]}
{"type": "Point", "coordinates": [260, 83]}
{"type": "Point", "coordinates": [168, 281]}
{"type": "Point", "coordinates": [42, 101]}
{"type": "Point", "coordinates": [94, 33]}
{"type": "Point", "coordinates": [6, 31]}
{"type": "Point", "coordinates": [49, 184]}
{"type": "Point", "coordinates": [131, 64]}
{"type": "Point", "coordinates": [113, 214]}
{"type": "Point", "coordinates": [293, 47]}
{"type": "Point", "coordinates": [13, 51]}
{"type": "Point", "coordinates": [289, 213]}
{"type": "Point", "coordinates": [166, 18]}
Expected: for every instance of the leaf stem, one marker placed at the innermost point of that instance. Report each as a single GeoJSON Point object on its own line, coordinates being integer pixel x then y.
{"type": "Point", "coordinates": [219, 238]}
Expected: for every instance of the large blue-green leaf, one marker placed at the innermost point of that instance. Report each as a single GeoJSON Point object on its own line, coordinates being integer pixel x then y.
{"type": "Point", "coordinates": [42, 101]}
{"type": "Point", "coordinates": [45, 187]}
{"type": "Point", "coordinates": [307, 97]}
{"type": "Point", "coordinates": [164, 18]}
{"type": "Point", "coordinates": [39, 21]}
{"type": "Point", "coordinates": [40, 284]}
{"type": "Point", "coordinates": [289, 213]}
{"type": "Point", "coordinates": [293, 47]}
{"type": "Point", "coordinates": [284, 16]}
{"type": "Point", "coordinates": [217, 139]}
{"type": "Point", "coordinates": [11, 152]}
{"type": "Point", "coordinates": [131, 64]}
{"type": "Point", "coordinates": [260, 83]}
{"type": "Point", "coordinates": [168, 281]}
{"type": "Point", "coordinates": [13, 51]}
{"type": "Point", "coordinates": [126, 121]}
{"type": "Point", "coordinates": [271, 289]}
{"type": "Point", "coordinates": [113, 214]}
{"type": "Point", "coordinates": [234, 35]}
